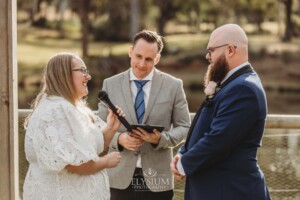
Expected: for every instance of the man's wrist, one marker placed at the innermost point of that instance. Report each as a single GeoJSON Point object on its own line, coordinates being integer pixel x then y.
{"type": "Point", "coordinates": [180, 167]}
{"type": "Point", "coordinates": [120, 146]}
{"type": "Point", "coordinates": [156, 141]}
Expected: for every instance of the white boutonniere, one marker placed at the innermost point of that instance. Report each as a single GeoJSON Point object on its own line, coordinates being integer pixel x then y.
{"type": "Point", "coordinates": [210, 89]}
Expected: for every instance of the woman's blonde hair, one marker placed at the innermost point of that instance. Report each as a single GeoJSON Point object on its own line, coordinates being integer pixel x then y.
{"type": "Point", "coordinates": [57, 80]}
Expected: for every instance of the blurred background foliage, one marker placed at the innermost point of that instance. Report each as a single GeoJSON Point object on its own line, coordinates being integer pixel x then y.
{"type": "Point", "coordinates": [101, 30]}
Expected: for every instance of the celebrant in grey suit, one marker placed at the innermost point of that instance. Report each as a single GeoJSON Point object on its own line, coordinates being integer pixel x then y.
{"type": "Point", "coordinates": [146, 96]}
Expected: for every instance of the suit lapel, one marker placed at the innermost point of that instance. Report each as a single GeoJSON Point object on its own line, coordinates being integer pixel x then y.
{"type": "Point", "coordinates": [155, 90]}
{"type": "Point", "coordinates": [128, 97]}
{"type": "Point", "coordinates": [246, 68]}
{"type": "Point", "coordinates": [193, 124]}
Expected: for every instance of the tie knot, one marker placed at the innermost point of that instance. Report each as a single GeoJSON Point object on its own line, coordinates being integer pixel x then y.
{"type": "Point", "coordinates": [140, 83]}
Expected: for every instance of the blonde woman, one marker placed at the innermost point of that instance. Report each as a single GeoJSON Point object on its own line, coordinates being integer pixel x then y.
{"type": "Point", "coordinates": [64, 138]}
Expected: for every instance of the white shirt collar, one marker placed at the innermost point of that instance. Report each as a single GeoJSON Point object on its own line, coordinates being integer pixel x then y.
{"type": "Point", "coordinates": [234, 70]}
{"type": "Point", "coordinates": [148, 77]}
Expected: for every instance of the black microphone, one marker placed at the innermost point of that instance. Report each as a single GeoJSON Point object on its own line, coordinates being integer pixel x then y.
{"type": "Point", "coordinates": [103, 96]}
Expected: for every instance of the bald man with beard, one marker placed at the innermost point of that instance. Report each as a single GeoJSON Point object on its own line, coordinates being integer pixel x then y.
{"type": "Point", "coordinates": [219, 157]}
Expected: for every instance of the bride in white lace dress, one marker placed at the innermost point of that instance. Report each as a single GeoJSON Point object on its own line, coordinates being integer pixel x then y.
{"type": "Point", "coordinates": [64, 139]}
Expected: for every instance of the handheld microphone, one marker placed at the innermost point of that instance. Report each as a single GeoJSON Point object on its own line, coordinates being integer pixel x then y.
{"type": "Point", "coordinates": [103, 96]}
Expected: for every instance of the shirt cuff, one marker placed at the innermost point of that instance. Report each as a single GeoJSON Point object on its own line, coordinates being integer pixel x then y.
{"type": "Point", "coordinates": [180, 168]}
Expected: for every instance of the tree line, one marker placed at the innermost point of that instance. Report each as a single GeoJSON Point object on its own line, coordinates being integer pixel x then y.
{"type": "Point", "coordinates": [118, 20]}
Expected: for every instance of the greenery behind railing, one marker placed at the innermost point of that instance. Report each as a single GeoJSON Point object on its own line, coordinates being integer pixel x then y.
{"type": "Point", "coordinates": [279, 157]}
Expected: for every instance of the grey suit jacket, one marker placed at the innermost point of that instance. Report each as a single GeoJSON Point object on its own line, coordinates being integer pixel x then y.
{"type": "Point", "coordinates": [167, 106]}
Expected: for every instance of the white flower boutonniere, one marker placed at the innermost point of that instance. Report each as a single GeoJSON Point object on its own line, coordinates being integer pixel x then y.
{"type": "Point", "coordinates": [210, 89]}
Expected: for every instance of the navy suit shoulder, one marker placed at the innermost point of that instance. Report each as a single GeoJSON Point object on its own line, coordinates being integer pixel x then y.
{"type": "Point", "coordinates": [248, 84]}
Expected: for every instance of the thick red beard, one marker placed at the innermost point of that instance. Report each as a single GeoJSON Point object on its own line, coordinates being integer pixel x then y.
{"type": "Point", "coordinates": [216, 72]}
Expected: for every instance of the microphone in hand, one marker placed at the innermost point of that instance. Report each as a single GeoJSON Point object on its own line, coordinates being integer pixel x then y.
{"type": "Point", "coordinates": [103, 96]}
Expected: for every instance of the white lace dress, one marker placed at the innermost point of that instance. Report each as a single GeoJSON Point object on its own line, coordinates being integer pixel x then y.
{"type": "Point", "coordinates": [59, 134]}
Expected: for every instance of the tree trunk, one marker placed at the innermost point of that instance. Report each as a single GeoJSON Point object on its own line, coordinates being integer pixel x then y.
{"type": "Point", "coordinates": [167, 11]}
{"type": "Point", "coordinates": [161, 25]}
{"type": "Point", "coordinates": [197, 21]}
{"type": "Point", "coordinates": [288, 21]}
{"type": "Point", "coordinates": [83, 11]}
{"type": "Point", "coordinates": [134, 17]}
{"type": "Point", "coordinates": [298, 8]}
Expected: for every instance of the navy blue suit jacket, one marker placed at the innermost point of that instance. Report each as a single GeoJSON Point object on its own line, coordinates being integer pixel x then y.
{"type": "Point", "coordinates": [219, 158]}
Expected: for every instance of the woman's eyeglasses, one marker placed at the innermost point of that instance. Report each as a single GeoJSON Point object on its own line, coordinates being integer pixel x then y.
{"type": "Point", "coordinates": [84, 71]}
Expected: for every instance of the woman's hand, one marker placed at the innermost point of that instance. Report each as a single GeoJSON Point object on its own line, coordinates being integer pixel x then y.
{"type": "Point", "coordinates": [91, 167]}
{"type": "Point", "coordinates": [112, 159]}
{"type": "Point", "coordinates": [113, 122]}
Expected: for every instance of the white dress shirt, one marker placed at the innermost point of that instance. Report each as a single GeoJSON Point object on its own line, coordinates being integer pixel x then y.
{"type": "Point", "coordinates": [146, 90]}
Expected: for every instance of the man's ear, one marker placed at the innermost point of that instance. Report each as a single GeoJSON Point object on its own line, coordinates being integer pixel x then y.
{"type": "Point", "coordinates": [157, 59]}
{"type": "Point", "coordinates": [231, 50]}
{"type": "Point", "coordinates": [130, 51]}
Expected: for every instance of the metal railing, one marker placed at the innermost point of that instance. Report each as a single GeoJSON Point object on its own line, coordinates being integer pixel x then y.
{"type": "Point", "coordinates": [279, 157]}
{"type": "Point", "coordinates": [273, 120]}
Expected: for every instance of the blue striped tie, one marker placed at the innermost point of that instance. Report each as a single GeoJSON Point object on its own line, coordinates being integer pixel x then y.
{"type": "Point", "coordinates": [139, 103]}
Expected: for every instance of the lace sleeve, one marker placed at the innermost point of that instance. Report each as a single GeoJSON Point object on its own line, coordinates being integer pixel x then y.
{"type": "Point", "coordinates": [66, 137]}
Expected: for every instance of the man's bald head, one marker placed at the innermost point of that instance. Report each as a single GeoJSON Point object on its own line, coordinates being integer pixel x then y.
{"type": "Point", "coordinates": [231, 34]}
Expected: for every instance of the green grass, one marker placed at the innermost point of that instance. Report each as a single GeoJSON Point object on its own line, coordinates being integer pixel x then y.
{"type": "Point", "coordinates": [35, 46]}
